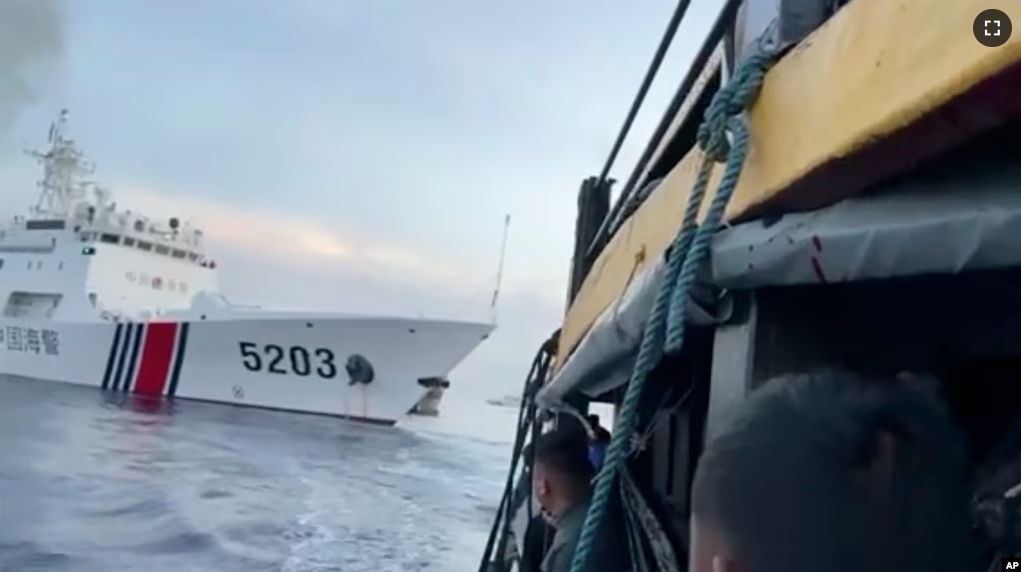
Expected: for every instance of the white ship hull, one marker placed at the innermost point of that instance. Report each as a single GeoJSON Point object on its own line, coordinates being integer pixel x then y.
{"type": "Point", "coordinates": [278, 362]}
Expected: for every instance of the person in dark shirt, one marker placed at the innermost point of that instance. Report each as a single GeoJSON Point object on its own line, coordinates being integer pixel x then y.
{"type": "Point", "coordinates": [834, 471]}
{"type": "Point", "coordinates": [562, 478]}
{"type": "Point", "coordinates": [538, 536]}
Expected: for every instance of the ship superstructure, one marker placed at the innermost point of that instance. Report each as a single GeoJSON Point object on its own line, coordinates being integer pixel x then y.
{"type": "Point", "coordinates": [76, 255]}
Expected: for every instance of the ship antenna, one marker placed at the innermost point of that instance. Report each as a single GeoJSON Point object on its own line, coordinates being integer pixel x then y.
{"type": "Point", "coordinates": [63, 169]}
{"type": "Point", "coordinates": [499, 268]}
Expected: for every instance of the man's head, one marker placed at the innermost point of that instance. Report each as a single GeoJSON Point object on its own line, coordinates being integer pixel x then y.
{"type": "Point", "coordinates": [833, 471]}
{"type": "Point", "coordinates": [563, 473]}
{"type": "Point", "coordinates": [599, 433]}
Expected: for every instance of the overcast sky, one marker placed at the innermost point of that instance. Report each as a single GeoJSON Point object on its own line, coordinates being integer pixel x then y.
{"type": "Point", "coordinates": [350, 155]}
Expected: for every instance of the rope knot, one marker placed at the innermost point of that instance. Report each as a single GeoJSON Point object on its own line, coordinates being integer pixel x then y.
{"type": "Point", "coordinates": [723, 137]}
{"type": "Point", "coordinates": [732, 100]}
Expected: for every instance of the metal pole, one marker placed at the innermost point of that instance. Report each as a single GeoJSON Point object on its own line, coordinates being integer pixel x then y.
{"type": "Point", "coordinates": [643, 90]}
{"type": "Point", "coordinates": [694, 71]}
{"type": "Point", "coordinates": [499, 269]}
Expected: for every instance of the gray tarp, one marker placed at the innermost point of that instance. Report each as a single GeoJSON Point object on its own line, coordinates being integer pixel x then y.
{"type": "Point", "coordinates": [604, 357]}
{"type": "Point", "coordinates": [946, 229]}
{"type": "Point", "coordinates": [964, 215]}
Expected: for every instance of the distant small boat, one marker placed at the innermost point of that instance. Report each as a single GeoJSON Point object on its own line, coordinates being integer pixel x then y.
{"type": "Point", "coordinates": [506, 401]}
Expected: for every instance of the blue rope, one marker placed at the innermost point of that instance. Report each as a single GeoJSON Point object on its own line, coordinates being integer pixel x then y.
{"type": "Point", "coordinates": [665, 326]}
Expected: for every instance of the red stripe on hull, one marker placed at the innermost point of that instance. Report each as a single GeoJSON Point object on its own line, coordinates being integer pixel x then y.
{"type": "Point", "coordinates": [157, 355]}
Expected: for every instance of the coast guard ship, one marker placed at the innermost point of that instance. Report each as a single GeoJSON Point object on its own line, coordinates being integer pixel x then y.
{"type": "Point", "coordinates": [95, 295]}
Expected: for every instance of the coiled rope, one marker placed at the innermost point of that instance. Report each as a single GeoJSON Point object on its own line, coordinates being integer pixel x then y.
{"type": "Point", "coordinates": [723, 137]}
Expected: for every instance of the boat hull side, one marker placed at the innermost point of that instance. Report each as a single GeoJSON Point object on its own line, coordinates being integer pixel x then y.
{"type": "Point", "coordinates": [275, 364]}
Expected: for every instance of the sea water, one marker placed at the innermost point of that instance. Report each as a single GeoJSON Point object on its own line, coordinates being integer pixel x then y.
{"type": "Point", "coordinates": [94, 482]}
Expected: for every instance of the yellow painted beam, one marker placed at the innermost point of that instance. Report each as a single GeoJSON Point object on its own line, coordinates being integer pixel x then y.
{"type": "Point", "coordinates": [875, 68]}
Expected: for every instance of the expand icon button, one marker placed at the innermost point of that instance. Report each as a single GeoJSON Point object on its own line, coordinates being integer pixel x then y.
{"type": "Point", "coordinates": [992, 28]}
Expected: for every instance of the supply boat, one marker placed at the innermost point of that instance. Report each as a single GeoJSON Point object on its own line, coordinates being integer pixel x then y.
{"type": "Point", "coordinates": [96, 295]}
{"type": "Point", "coordinates": [824, 191]}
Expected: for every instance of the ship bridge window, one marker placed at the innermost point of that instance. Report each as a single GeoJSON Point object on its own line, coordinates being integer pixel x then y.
{"type": "Point", "coordinates": [109, 238]}
{"type": "Point", "coordinates": [178, 253]}
{"type": "Point", "coordinates": [44, 225]}
{"type": "Point", "coordinates": [128, 241]}
{"type": "Point", "coordinates": [160, 249]}
{"type": "Point", "coordinates": [143, 245]}
{"type": "Point", "coordinates": [193, 257]}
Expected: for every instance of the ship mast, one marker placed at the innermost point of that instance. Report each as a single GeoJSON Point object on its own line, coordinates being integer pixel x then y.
{"type": "Point", "coordinates": [63, 170]}
{"type": "Point", "coordinates": [499, 269]}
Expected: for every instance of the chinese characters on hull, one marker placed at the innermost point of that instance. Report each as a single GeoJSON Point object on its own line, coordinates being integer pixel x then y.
{"type": "Point", "coordinates": [30, 340]}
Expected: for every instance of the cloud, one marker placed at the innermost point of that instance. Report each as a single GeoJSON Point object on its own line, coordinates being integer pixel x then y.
{"type": "Point", "coordinates": [32, 44]}
{"type": "Point", "coordinates": [290, 240]}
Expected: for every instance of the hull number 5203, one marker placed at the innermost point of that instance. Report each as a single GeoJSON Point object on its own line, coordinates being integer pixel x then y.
{"type": "Point", "coordinates": [295, 360]}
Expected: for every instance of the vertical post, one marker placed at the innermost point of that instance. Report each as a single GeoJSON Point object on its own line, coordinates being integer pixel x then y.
{"type": "Point", "coordinates": [499, 269]}
{"type": "Point", "coordinates": [593, 207]}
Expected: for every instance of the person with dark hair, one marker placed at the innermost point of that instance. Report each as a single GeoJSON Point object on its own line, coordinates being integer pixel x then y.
{"type": "Point", "coordinates": [833, 471]}
{"type": "Point", "coordinates": [562, 478]}
{"type": "Point", "coordinates": [598, 430]}
{"type": "Point", "coordinates": [539, 531]}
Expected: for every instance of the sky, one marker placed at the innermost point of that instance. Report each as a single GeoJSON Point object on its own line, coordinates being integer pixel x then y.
{"type": "Point", "coordinates": [356, 156]}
